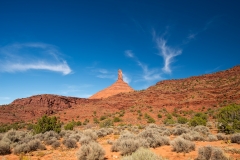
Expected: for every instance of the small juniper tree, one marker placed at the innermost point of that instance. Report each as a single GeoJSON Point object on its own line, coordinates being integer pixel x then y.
{"type": "Point", "coordinates": [46, 123]}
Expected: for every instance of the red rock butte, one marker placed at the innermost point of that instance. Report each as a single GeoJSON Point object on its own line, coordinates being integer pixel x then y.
{"type": "Point", "coordinates": [118, 87]}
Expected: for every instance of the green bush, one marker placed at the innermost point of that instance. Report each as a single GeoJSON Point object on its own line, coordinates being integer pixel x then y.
{"type": "Point", "coordinates": [69, 126]}
{"type": "Point", "coordinates": [168, 121]}
{"type": "Point", "coordinates": [149, 118]}
{"type": "Point", "coordinates": [106, 123]}
{"type": "Point", "coordinates": [182, 120]}
{"type": "Point", "coordinates": [195, 121]}
{"type": "Point", "coordinates": [103, 118]}
{"type": "Point", "coordinates": [116, 119]}
{"type": "Point", "coordinates": [229, 119]}
{"type": "Point", "coordinates": [159, 116]}
{"type": "Point", "coordinates": [46, 123]}
{"type": "Point", "coordinates": [201, 115]}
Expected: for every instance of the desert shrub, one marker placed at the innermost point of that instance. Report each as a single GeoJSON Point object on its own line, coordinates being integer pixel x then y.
{"type": "Point", "coordinates": [212, 138]}
{"type": "Point", "coordinates": [122, 143]}
{"type": "Point", "coordinates": [210, 153]}
{"type": "Point", "coordinates": [4, 148]}
{"type": "Point", "coordinates": [50, 135]}
{"type": "Point", "coordinates": [169, 121]}
{"type": "Point", "coordinates": [221, 136]}
{"type": "Point", "coordinates": [179, 131]}
{"type": "Point", "coordinates": [159, 116]}
{"type": "Point", "coordinates": [103, 118]}
{"type": "Point", "coordinates": [75, 136]}
{"type": "Point", "coordinates": [143, 154]}
{"type": "Point", "coordinates": [181, 145]}
{"type": "Point", "coordinates": [70, 143]}
{"type": "Point", "coordinates": [153, 138]}
{"type": "Point", "coordinates": [195, 121]}
{"type": "Point", "coordinates": [128, 146]}
{"type": "Point", "coordinates": [28, 147]}
{"type": "Point", "coordinates": [201, 115]}
{"type": "Point", "coordinates": [90, 133]}
{"type": "Point", "coordinates": [116, 119]}
{"type": "Point", "coordinates": [91, 151]}
{"type": "Point", "coordinates": [229, 119]}
{"type": "Point", "coordinates": [50, 141]}
{"type": "Point", "coordinates": [56, 144]}
{"type": "Point", "coordinates": [46, 123]}
{"type": "Point", "coordinates": [104, 131]}
{"type": "Point", "coordinates": [149, 118]}
{"type": "Point", "coordinates": [235, 138]}
{"type": "Point", "coordinates": [106, 123]}
{"type": "Point", "coordinates": [182, 120]}
{"type": "Point", "coordinates": [69, 126]}
{"type": "Point", "coordinates": [202, 129]}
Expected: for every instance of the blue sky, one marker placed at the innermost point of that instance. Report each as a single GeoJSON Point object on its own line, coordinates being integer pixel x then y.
{"type": "Point", "coordinates": [75, 47]}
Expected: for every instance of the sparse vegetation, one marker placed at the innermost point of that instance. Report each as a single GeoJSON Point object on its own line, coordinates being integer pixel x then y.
{"type": "Point", "coordinates": [181, 145]}
{"type": "Point", "coordinates": [229, 119]}
{"type": "Point", "coordinates": [211, 153]}
{"type": "Point", "coordinates": [46, 123]}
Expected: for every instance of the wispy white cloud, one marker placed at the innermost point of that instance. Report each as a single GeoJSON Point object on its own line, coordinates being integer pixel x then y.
{"type": "Point", "coordinates": [168, 53]}
{"type": "Point", "coordinates": [32, 56]}
{"type": "Point", "coordinates": [213, 70]}
{"type": "Point", "coordinates": [129, 53]}
{"type": "Point", "coordinates": [126, 78]}
{"type": "Point", "coordinates": [193, 35]}
{"type": "Point", "coordinates": [148, 74]}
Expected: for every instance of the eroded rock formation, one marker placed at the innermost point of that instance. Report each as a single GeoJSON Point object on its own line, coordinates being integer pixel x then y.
{"type": "Point", "coordinates": [118, 87]}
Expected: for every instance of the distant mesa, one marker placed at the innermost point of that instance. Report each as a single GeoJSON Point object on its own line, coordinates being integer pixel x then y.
{"type": "Point", "coordinates": [118, 87]}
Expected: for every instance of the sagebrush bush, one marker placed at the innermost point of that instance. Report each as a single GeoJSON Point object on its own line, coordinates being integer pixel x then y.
{"type": "Point", "coordinates": [56, 144]}
{"type": "Point", "coordinates": [91, 151]}
{"type": "Point", "coordinates": [104, 131]}
{"type": "Point", "coordinates": [90, 133]}
{"type": "Point", "coordinates": [202, 129]}
{"type": "Point", "coordinates": [235, 138]}
{"type": "Point", "coordinates": [128, 146]}
{"type": "Point", "coordinates": [211, 153]}
{"type": "Point", "coordinates": [32, 145]}
{"type": "Point", "coordinates": [153, 138]}
{"type": "Point", "coordinates": [221, 136]}
{"type": "Point", "coordinates": [4, 148]}
{"type": "Point", "coordinates": [70, 143]}
{"type": "Point", "coordinates": [181, 145]}
{"type": "Point", "coordinates": [121, 143]}
{"type": "Point", "coordinates": [50, 135]}
{"type": "Point", "coordinates": [179, 131]}
{"type": "Point", "coordinates": [143, 154]}
{"type": "Point", "coordinates": [212, 138]}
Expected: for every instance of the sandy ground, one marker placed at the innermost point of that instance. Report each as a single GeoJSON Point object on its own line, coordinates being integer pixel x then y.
{"type": "Point", "coordinates": [63, 153]}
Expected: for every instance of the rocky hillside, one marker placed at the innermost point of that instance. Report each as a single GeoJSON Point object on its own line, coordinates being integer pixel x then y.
{"type": "Point", "coordinates": [198, 93]}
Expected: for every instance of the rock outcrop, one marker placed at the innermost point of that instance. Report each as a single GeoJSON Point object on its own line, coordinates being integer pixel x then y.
{"type": "Point", "coordinates": [118, 87]}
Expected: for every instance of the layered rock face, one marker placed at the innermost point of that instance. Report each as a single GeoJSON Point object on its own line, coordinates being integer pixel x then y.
{"type": "Point", "coordinates": [118, 87]}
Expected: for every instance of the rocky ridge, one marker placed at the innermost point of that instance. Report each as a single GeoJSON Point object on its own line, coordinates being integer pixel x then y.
{"type": "Point", "coordinates": [198, 93]}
